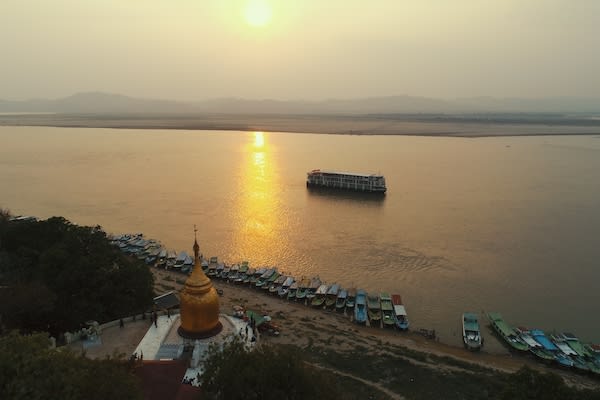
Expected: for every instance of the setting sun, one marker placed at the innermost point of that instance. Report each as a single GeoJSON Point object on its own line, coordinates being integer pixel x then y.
{"type": "Point", "coordinates": [257, 13]}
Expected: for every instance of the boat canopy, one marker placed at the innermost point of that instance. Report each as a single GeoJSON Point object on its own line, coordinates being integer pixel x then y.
{"type": "Point", "coordinates": [400, 310]}
{"type": "Point", "coordinates": [541, 338]}
{"type": "Point", "coordinates": [332, 172]}
{"type": "Point", "coordinates": [501, 325]}
{"type": "Point", "coordinates": [566, 349]}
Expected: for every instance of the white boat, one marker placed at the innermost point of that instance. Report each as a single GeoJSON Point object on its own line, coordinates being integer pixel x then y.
{"type": "Point", "coordinates": [400, 312]}
{"type": "Point", "coordinates": [187, 264]}
{"type": "Point", "coordinates": [181, 257]}
{"type": "Point", "coordinates": [371, 183]}
{"type": "Point", "coordinates": [319, 299]}
{"type": "Point", "coordinates": [285, 287]}
{"type": "Point", "coordinates": [332, 295]}
{"type": "Point", "coordinates": [471, 332]}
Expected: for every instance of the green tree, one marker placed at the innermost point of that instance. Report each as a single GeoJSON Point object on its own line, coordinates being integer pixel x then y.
{"type": "Point", "coordinates": [266, 372]}
{"type": "Point", "coordinates": [29, 369]}
{"type": "Point", "coordinates": [79, 275]}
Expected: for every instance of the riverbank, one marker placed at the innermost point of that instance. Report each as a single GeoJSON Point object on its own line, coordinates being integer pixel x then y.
{"type": "Point", "coordinates": [308, 328]}
{"type": "Point", "coordinates": [370, 124]}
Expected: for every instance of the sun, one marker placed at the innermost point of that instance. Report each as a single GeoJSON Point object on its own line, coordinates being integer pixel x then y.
{"type": "Point", "coordinates": [257, 13]}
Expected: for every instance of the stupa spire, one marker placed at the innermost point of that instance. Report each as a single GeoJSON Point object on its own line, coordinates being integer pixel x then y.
{"type": "Point", "coordinates": [196, 246]}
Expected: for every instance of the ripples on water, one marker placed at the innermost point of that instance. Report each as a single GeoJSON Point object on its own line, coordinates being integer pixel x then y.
{"type": "Point", "coordinates": [496, 224]}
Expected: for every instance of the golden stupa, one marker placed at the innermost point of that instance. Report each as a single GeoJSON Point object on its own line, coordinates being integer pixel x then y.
{"type": "Point", "coordinates": [199, 303]}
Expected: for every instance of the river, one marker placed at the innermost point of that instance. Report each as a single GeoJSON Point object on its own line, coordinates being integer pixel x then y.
{"type": "Point", "coordinates": [507, 224]}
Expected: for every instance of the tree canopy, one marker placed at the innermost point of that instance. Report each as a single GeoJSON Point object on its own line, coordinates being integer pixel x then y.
{"type": "Point", "coordinates": [267, 372]}
{"type": "Point", "coordinates": [29, 369]}
{"type": "Point", "coordinates": [55, 275]}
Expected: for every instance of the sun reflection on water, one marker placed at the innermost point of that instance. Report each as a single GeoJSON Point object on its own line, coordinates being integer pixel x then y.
{"type": "Point", "coordinates": [258, 226]}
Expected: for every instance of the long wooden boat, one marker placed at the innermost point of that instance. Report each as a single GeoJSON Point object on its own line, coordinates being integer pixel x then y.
{"type": "Point", "coordinates": [351, 299]}
{"type": "Point", "coordinates": [506, 332]}
{"type": "Point", "coordinates": [374, 309]}
{"type": "Point", "coordinates": [387, 310]}
{"type": "Point", "coordinates": [400, 312]}
{"type": "Point", "coordinates": [291, 295]}
{"type": "Point", "coordinates": [260, 282]}
{"type": "Point", "coordinates": [471, 332]}
{"type": "Point", "coordinates": [340, 302]}
{"type": "Point", "coordinates": [277, 283]}
{"type": "Point", "coordinates": [332, 294]}
{"type": "Point", "coordinates": [249, 274]}
{"type": "Point", "coordinates": [234, 273]}
{"type": "Point", "coordinates": [302, 289]}
{"type": "Point", "coordinates": [284, 289]}
{"type": "Point", "coordinates": [315, 282]}
{"type": "Point", "coordinates": [257, 274]}
{"type": "Point", "coordinates": [547, 350]}
{"type": "Point", "coordinates": [320, 295]}
{"type": "Point", "coordinates": [360, 307]}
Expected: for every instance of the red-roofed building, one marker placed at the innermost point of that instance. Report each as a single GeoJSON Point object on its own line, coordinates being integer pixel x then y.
{"type": "Point", "coordinates": [162, 380]}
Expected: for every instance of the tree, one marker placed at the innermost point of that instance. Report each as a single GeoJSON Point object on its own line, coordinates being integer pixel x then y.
{"type": "Point", "coordinates": [80, 275]}
{"type": "Point", "coordinates": [29, 369]}
{"type": "Point", "coordinates": [266, 372]}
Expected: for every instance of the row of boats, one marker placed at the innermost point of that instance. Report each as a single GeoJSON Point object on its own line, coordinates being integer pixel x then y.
{"type": "Point", "coordinates": [378, 309]}
{"type": "Point", "coordinates": [562, 349]}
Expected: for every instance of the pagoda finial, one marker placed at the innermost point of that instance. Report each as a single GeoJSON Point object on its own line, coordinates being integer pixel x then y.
{"type": "Point", "coordinates": [196, 247]}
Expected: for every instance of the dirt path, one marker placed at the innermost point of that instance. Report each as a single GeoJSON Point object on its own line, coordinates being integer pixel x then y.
{"type": "Point", "coordinates": [374, 385]}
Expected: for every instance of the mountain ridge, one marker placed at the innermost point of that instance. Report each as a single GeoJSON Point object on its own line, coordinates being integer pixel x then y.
{"type": "Point", "coordinates": [104, 102]}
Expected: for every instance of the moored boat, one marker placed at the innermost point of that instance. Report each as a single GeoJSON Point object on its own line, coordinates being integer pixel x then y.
{"type": "Point", "coordinates": [249, 274]}
{"type": "Point", "coordinates": [387, 310]}
{"type": "Point", "coordinates": [374, 309]}
{"type": "Point", "coordinates": [400, 312]}
{"type": "Point", "coordinates": [285, 287]}
{"type": "Point", "coordinates": [257, 274]}
{"type": "Point", "coordinates": [340, 302]}
{"type": "Point", "coordinates": [548, 350]}
{"type": "Point", "coordinates": [269, 282]}
{"type": "Point", "coordinates": [277, 283]}
{"type": "Point", "coordinates": [302, 289]}
{"type": "Point", "coordinates": [351, 299]}
{"type": "Point", "coordinates": [260, 282]}
{"type": "Point", "coordinates": [506, 332]}
{"type": "Point", "coordinates": [319, 299]}
{"type": "Point", "coordinates": [293, 290]}
{"type": "Point", "coordinates": [471, 332]}
{"type": "Point", "coordinates": [332, 294]}
{"type": "Point", "coordinates": [315, 282]}
{"type": "Point", "coordinates": [360, 307]}
{"type": "Point", "coordinates": [181, 257]}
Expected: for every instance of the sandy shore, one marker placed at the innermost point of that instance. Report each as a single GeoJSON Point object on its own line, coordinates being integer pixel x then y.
{"type": "Point", "coordinates": [301, 325]}
{"type": "Point", "coordinates": [424, 125]}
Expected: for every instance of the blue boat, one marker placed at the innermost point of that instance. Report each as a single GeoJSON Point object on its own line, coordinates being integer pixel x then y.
{"type": "Point", "coordinates": [549, 351]}
{"type": "Point", "coordinates": [360, 307]}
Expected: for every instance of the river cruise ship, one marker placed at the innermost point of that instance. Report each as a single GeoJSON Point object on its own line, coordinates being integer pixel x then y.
{"type": "Point", "coordinates": [371, 183]}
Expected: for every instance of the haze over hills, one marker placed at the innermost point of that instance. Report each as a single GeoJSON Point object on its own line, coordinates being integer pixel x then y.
{"type": "Point", "coordinates": [99, 102]}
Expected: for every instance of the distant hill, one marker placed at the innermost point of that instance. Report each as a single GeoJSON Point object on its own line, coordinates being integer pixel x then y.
{"type": "Point", "coordinates": [99, 103]}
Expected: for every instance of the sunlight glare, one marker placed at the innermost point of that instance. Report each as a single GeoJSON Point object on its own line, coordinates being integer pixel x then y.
{"type": "Point", "coordinates": [257, 13]}
{"type": "Point", "coordinates": [259, 139]}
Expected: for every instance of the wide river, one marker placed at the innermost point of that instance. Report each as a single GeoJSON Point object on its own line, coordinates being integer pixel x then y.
{"type": "Point", "coordinates": [508, 224]}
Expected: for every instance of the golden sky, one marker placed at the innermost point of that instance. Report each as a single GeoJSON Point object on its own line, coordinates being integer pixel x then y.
{"type": "Point", "coordinates": [299, 49]}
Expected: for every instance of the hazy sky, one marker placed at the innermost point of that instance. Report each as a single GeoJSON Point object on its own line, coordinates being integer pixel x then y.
{"type": "Point", "coordinates": [299, 49]}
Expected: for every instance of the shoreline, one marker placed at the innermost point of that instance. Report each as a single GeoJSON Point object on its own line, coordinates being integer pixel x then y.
{"type": "Point", "coordinates": [358, 125]}
{"type": "Point", "coordinates": [302, 325]}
